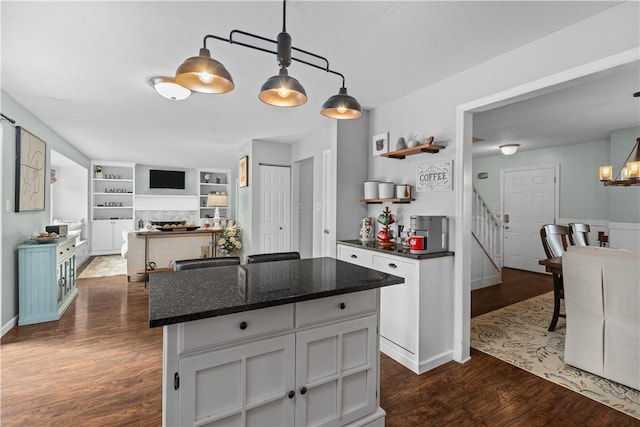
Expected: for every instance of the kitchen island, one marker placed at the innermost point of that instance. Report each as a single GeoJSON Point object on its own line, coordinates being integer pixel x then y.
{"type": "Point", "coordinates": [280, 343]}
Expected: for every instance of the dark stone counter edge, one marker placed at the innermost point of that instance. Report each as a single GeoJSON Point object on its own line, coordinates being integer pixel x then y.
{"type": "Point", "coordinates": [396, 250]}
{"type": "Point", "coordinates": [391, 280]}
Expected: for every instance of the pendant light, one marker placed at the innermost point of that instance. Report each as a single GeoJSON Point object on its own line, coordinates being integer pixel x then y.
{"type": "Point", "coordinates": [341, 106]}
{"type": "Point", "coordinates": [204, 74]}
{"type": "Point", "coordinates": [283, 90]}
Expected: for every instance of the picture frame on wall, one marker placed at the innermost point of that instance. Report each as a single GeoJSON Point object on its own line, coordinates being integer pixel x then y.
{"type": "Point", "coordinates": [380, 143]}
{"type": "Point", "coordinates": [30, 171]}
{"type": "Point", "coordinates": [243, 172]}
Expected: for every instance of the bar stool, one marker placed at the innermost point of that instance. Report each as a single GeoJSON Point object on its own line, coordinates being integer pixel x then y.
{"type": "Point", "coordinates": [275, 256]}
{"type": "Point", "coordinates": [190, 264]}
{"type": "Point", "coordinates": [555, 240]}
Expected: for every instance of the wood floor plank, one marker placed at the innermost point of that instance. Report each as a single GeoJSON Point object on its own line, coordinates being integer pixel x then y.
{"type": "Point", "coordinates": [101, 365]}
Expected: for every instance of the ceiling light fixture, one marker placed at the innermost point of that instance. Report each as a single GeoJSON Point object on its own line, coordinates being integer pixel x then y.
{"type": "Point", "coordinates": [167, 87]}
{"type": "Point", "coordinates": [629, 174]}
{"type": "Point", "coordinates": [509, 149]}
{"type": "Point", "coordinates": [204, 74]}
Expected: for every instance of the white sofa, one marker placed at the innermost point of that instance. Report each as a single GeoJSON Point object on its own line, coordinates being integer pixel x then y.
{"type": "Point", "coordinates": [162, 250]}
{"type": "Point", "coordinates": [602, 302]}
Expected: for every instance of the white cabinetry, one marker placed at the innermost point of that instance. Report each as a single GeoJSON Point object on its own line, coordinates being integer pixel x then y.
{"type": "Point", "coordinates": [212, 181]}
{"type": "Point", "coordinates": [112, 205]}
{"type": "Point", "coordinates": [416, 317]}
{"type": "Point", "coordinates": [261, 367]}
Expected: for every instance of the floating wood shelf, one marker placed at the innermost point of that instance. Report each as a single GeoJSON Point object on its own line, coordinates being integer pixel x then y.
{"type": "Point", "coordinates": [394, 200]}
{"type": "Point", "coordinates": [424, 148]}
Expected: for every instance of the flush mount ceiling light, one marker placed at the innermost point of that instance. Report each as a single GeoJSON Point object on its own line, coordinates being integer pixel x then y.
{"type": "Point", "coordinates": [509, 149]}
{"type": "Point", "coordinates": [167, 87]}
{"type": "Point", "coordinates": [204, 74]}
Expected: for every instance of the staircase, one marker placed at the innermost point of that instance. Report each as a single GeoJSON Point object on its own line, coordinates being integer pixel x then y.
{"type": "Point", "coordinates": [486, 229]}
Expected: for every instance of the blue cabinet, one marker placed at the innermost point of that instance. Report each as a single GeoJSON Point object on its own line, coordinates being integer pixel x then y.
{"type": "Point", "coordinates": [46, 279]}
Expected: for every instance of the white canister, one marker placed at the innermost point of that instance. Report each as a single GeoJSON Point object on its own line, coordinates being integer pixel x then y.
{"type": "Point", "coordinates": [385, 190]}
{"type": "Point", "coordinates": [371, 189]}
{"type": "Point", "coordinates": [403, 191]}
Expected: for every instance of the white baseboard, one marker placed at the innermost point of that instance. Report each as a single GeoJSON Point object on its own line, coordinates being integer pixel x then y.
{"type": "Point", "coordinates": [9, 325]}
{"type": "Point", "coordinates": [485, 282]}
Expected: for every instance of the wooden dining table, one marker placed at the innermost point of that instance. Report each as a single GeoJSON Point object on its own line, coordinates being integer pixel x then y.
{"type": "Point", "coordinates": [554, 266]}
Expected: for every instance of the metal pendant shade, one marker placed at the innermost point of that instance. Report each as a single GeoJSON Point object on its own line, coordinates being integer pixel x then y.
{"type": "Point", "coordinates": [342, 106]}
{"type": "Point", "coordinates": [204, 74]}
{"type": "Point", "coordinates": [282, 91]}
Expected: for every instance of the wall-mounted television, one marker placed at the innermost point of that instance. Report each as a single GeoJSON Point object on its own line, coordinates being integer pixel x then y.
{"type": "Point", "coordinates": [159, 178]}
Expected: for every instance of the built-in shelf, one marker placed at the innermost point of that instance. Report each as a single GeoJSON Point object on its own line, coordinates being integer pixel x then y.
{"type": "Point", "coordinates": [394, 200]}
{"type": "Point", "coordinates": [424, 148]}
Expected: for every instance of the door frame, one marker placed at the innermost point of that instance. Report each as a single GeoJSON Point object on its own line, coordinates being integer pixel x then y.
{"type": "Point", "coordinates": [556, 192]}
{"type": "Point", "coordinates": [464, 175]}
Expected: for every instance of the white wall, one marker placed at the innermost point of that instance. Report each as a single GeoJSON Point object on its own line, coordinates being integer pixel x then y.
{"type": "Point", "coordinates": [432, 111]}
{"type": "Point", "coordinates": [69, 194]}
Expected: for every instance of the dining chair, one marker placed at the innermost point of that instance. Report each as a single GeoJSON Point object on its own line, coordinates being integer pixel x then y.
{"type": "Point", "coordinates": [274, 256]}
{"type": "Point", "coordinates": [579, 234]}
{"type": "Point", "coordinates": [555, 240]}
{"type": "Point", "coordinates": [190, 264]}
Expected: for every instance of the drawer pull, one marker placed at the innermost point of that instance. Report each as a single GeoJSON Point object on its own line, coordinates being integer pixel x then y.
{"type": "Point", "coordinates": [392, 265]}
{"type": "Point", "coordinates": [291, 394]}
{"type": "Point", "coordinates": [343, 306]}
{"type": "Point", "coordinates": [354, 256]}
{"type": "Point", "coordinates": [303, 390]}
{"type": "Point", "coordinates": [243, 325]}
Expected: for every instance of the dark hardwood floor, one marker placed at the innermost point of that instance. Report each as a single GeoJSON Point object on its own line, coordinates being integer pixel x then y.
{"type": "Point", "coordinates": [101, 365]}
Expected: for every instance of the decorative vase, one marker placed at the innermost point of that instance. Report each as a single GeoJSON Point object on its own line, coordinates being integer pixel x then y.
{"type": "Point", "coordinates": [401, 144]}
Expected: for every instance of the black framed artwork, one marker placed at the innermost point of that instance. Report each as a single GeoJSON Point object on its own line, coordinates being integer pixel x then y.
{"type": "Point", "coordinates": [30, 171]}
{"type": "Point", "coordinates": [243, 172]}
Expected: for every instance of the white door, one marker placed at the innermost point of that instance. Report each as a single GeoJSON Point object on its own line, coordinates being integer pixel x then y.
{"type": "Point", "coordinates": [336, 373]}
{"type": "Point", "coordinates": [328, 242]}
{"type": "Point", "coordinates": [529, 197]}
{"type": "Point", "coordinates": [246, 385]}
{"type": "Point", "coordinates": [275, 209]}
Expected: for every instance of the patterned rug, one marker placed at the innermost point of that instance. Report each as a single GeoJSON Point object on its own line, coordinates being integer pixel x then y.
{"type": "Point", "coordinates": [518, 335]}
{"type": "Point", "coordinates": [107, 265]}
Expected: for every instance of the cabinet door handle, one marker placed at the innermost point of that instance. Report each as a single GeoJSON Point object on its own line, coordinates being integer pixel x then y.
{"type": "Point", "coordinates": [354, 256]}
{"type": "Point", "coordinates": [343, 306]}
{"type": "Point", "coordinates": [303, 390]}
{"type": "Point", "coordinates": [243, 325]}
{"type": "Point", "coordinates": [291, 394]}
{"type": "Point", "coordinates": [392, 265]}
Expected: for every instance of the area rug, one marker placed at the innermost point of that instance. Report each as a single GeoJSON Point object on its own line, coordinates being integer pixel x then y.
{"type": "Point", "coordinates": [102, 266]}
{"type": "Point", "coordinates": [518, 335]}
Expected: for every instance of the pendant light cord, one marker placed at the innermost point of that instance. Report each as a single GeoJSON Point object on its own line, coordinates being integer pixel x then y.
{"type": "Point", "coordinates": [284, 16]}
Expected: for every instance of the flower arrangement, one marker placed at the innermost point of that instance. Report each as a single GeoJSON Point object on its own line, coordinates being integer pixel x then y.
{"type": "Point", "coordinates": [230, 241]}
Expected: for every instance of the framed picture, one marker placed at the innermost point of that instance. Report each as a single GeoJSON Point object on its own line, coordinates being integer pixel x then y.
{"type": "Point", "coordinates": [437, 176]}
{"type": "Point", "coordinates": [243, 172]}
{"type": "Point", "coordinates": [30, 171]}
{"type": "Point", "coordinates": [380, 143]}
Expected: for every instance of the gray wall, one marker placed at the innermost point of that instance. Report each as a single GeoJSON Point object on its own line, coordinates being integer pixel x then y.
{"type": "Point", "coordinates": [18, 227]}
{"type": "Point", "coordinates": [582, 195]}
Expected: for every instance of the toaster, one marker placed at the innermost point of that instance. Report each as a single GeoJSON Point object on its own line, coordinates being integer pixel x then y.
{"type": "Point", "coordinates": [59, 229]}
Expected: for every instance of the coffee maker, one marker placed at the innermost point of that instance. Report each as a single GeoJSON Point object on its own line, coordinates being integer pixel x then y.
{"type": "Point", "coordinates": [435, 230]}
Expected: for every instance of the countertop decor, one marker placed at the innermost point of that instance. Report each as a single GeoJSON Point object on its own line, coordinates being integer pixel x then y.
{"type": "Point", "coordinates": [182, 296]}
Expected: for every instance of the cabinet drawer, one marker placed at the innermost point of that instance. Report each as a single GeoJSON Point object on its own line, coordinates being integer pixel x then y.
{"type": "Point", "coordinates": [335, 307]}
{"type": "Point", "coordinates": [232, 327]}
{"type": "Point", "coordinates": [65, 250]}
{"type": "Point", "coordinates": [395, 266]}
{"type": "Point", "coordinates": [360, 257]}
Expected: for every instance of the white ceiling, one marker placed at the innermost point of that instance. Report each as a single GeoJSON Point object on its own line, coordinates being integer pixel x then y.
{"type": "Point", "coordinates": [585, 110]}
{"type": "Point", "coordinates": [83, 67]}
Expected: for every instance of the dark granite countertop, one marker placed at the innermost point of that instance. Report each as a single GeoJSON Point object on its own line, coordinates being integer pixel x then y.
{"type": "Point", "coordinates": [398, 250]}
{"type": "Point", "coordinates": [181, 296]}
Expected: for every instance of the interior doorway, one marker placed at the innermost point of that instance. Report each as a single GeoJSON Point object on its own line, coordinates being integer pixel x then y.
{"type": "Point", "coordinates": [305, 207]}
{"type": "Point", "coordinates": [529, 200]}
{"type": "Point", "coordinates": [275, 208]}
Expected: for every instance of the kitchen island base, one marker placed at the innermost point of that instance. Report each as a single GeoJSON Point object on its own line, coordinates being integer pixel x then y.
{"type": "Point", "coordinates": [313, 362]}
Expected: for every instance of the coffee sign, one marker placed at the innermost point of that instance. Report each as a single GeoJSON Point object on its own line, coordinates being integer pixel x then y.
{"type": "Point", "coordinates": [435, 176]}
